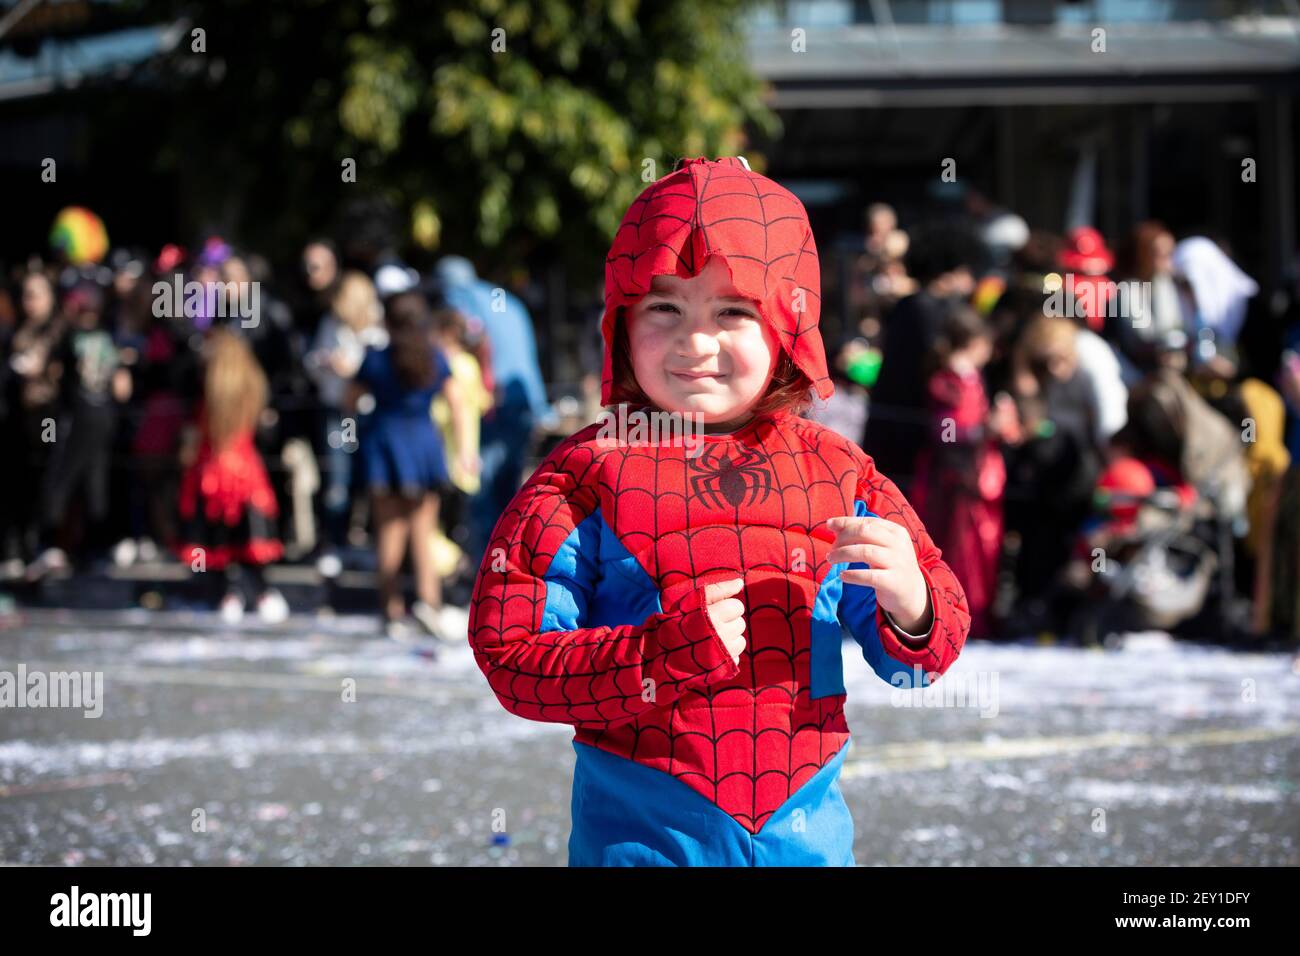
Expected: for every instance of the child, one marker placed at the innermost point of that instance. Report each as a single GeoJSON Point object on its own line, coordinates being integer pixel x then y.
{"type": "Point", "coordinates": [354, 322]}
{"type": "Point", "coordinates": [227, 508]}
{"type": "Point", "coordinates": [85, 365]}
{"type": "Point", "coordinates": [680, 602]}
{"type": "Point", "coordinates": [960, 475]}
{"type": "Point", "coordinates": [451, 331]}
{"type": "Point", "coordinates": [402, 457]}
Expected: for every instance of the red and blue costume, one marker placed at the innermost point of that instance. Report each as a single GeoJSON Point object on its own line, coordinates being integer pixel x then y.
{"type": "Point", "coordinates": [588, 606]}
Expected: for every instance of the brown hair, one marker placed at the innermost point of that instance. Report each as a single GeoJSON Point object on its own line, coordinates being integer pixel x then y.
{"type": "Point", "coordinates": [234, 388]}
{"type": "Point", "coordinates": [451, 323]}
{"type": "Point", "coordinates": [410, 341]}
{"type": "Point", "coordinates": [789, 390]}
{"type": "Point", "coordinates": [961, 326]}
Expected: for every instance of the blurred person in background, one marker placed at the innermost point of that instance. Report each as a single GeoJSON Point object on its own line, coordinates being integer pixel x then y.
{"type": "Point", "coordinates": [942, 258]}
{"type": "Point", "coordinates": [519, 400]}
{"type": "Point", "coordinates": [320, 276]}
{"type": "Point", "coordinates": [127, 317]}
{"type": "Point", "coordinates": [1052, 472]}
{"type": "Point", "coordinates": [960, 474]}
{"type": "Point", "coordinates": [353, 324]}
{"type": "Point", "coordinates": [84, 364]}
{"type": "Point", "coordinates": [166, 373]}
{"type": "Point", "coordinates": [227, 508]}
{"type": "Point", "coordinates": [403, 459]}
{"type": "Point", "coordinates": [878, 276]}
{"type": "Point", "coordinates": [1086, 262]}
{"type": "Point", "coordinates": [31, 400]}
{"type": "Point", "coordinates": [1155, 305]}
{"type": "Point", "coordinates": [1220, 293]}
{"type": "Point", "coordinates": [452, 334]}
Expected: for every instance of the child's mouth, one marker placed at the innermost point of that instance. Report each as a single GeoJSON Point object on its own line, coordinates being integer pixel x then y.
{"type": "Point", "coordinates": [698, 376]}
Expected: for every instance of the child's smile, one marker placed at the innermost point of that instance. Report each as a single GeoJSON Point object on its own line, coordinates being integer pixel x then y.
{"type": "Point", "coordinates": [698, 346]}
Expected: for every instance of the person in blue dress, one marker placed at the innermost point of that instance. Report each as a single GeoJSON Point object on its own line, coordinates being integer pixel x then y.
{"type": "Point", "coordinates": [403, 462]}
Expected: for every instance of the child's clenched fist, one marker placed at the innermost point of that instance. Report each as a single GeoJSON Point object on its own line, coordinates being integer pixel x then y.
{"type": "Point", "coordinates": [727, 613]}
{"type": "Point", "coordinates": [894, 573]}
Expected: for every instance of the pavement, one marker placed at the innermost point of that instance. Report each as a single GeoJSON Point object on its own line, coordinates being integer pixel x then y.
{"type": "Point", "coordinates": [320, 742]}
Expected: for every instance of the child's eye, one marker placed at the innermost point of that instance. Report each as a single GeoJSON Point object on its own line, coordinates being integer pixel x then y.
{"type": "Point", "coordinates": [662, 312]}
{"type": "Point", "coordinates": [736, 314]}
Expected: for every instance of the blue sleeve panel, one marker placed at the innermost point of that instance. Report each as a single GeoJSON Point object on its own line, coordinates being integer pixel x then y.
{"type": "Point", "coordinates": [628, 814]}
{"type": "Point", "coordinates": [593, 581]}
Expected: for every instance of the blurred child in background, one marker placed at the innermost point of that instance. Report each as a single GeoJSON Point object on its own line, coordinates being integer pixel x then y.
{"type": "Point", "coordinates": [960, 473]}
{"type": "Point", "coordinates": [32, 397]}
{"type": "Point", "coordinates": [84, 365]}
{"type": "Point", "coordinates": [403, 460]}
{"type": "Point", "coordinates": [451, 332]}
{"type": "Point", "coordinates": [227, 508]}
{"type": "Point", "coordinates": [353, 323]}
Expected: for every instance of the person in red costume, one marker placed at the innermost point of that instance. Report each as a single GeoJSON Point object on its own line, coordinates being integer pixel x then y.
{"type": "Point", "coordinates": [680, 598]}
{"type": "Point", "coordinates": [228, 509]}
{"type": "Point", "coordinates": [960, 474]}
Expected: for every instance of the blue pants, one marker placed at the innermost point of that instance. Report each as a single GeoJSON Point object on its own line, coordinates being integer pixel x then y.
{"type": "Point", "coordinates": [628, 814]}
{"type": "Point", "coordinates": [504, 445]}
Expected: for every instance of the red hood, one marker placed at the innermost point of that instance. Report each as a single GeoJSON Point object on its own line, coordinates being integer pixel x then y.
{"type": "Point", "coordinates": [719, 207]}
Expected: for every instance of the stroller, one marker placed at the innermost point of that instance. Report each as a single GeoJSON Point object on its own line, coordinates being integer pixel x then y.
{"type": "Point", "coordinates": [1161, 557]}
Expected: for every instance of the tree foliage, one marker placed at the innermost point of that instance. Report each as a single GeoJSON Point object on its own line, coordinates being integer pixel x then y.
{"type": "Point", "coordinates": [499, 127]}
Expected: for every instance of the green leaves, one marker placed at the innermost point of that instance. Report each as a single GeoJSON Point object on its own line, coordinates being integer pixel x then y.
{"type": "Point", "coordinates": [544, 140]}
{"type": "Point", "coordinates": [495, 126]}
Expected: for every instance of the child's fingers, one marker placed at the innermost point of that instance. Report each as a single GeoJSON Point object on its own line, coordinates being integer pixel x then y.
{"type": "Point", "coordinates": [735, 645]}
{"type": "Point", "coordinates": [868, 530]}
{"type": "Point", "coordinates": [727, 609]}
{"type": "Point", "coordinates": [872, 554]}
{"type": "Point", "coordinates": [719, 590]}
{"type": "Point", "coordinates": [869, 577]}
{"type": "Point", "coordinates": [843, 523]}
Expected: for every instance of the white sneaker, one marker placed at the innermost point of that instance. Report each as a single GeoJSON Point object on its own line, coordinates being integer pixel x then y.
{"type": "Point", "coordinates": [272, 608]}
{"type": "Point", "coordinates": [125, 553]}
{"type": "Point", "coordinates": [51, 559]}
{"type": "Point", "coordinates": [399, 631]}
{"type": "Point", "coordinates": [329, 565]}
{"type": "Point", "coordinates": [232, 608]}
{"type": "Point", "coordinates": [427, 618]}
{"type": "Point", "coordinates": [148, 551]}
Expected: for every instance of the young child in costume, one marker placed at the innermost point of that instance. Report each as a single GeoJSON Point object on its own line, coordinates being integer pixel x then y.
{"type": "Point", "coordinates": [680, 601]}
{"type": "Point", "coordinates": [228, 509]}
{"type": "Point", "coordinates": [960, 475]}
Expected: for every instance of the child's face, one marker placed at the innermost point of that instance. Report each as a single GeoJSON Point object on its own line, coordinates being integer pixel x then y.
{"type": "Point", "coordinates": [699, 347]}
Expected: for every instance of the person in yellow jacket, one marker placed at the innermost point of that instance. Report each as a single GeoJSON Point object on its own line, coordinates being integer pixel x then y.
{"type": "Point", "coordinates": [452, 332]}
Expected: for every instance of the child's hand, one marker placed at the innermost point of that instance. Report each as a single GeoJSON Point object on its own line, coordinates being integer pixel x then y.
{"type": "Point", "coordinates": [894, 573]}
{"type": "Point", "coordinates": [1004, 419]}
{"type": "Point", "coordinates": [727, 614]}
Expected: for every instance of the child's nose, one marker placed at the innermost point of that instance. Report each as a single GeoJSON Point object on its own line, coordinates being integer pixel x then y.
{"type": "Point", "coordinates": [698, 343]}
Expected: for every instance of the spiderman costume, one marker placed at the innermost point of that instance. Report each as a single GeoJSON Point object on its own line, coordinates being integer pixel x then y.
{"type": "Point", "coordinates": [589, 606]}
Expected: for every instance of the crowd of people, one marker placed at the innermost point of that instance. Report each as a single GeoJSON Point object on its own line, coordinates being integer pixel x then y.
{"type": "Point", "coordinates": [365, 408]}
{"type": "Point", "coordinates": [1080, 427]}
{"type": "Point", "coordinates": [1059, 413]}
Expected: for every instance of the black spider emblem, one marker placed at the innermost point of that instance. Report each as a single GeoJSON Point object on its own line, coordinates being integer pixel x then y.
{"type": "Point", "coordinates": [734, 481]}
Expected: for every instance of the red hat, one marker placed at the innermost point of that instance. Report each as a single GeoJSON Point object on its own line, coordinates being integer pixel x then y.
{"type": "Point", "coordinates": [1130, 479]}
{"type": "Point", "coordinates": [1085, 251]}
{"type": "Point", "coordinates": [720, 208]}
